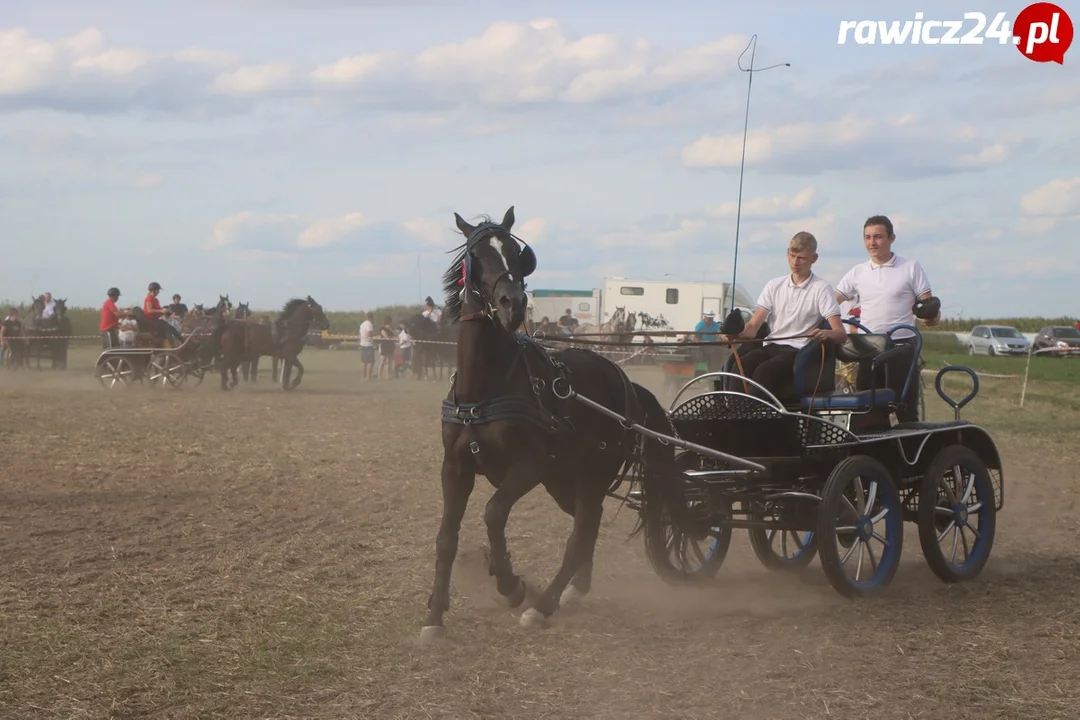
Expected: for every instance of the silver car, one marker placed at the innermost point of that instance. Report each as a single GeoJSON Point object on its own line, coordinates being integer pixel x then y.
{"type": "Point", "coordinates": [997, 340]}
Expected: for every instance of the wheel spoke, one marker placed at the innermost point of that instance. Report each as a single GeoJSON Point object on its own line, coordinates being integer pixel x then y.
{"type": "Point", "coordinates": [880, 539]}
{"type": "Point", "coordinates": [968, 487]}
{"type": "Point", "coordinates": [967, 550]}
{"type": "Point", "coordinates": [950, 526]}
{"type": "Point", "coordinates": [944, 484]}
{"type": "Point", "coordinates": [858, 564]}
{"type": "Point", "coordinates": [878, 518]}
{"type": "Point", "coordinates": [850, 550]}
{"type": "Point", "coordinates": [955, 542]}
{"type": "Point", "coordinates": [873, 560]}
{"type": "Point", "coordinates": [860, 497]}
{"type": "Point", "coordinates": [871, 497]}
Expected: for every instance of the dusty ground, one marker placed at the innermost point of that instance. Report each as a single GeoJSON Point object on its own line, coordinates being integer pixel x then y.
{"type": "Point", "coordinates": [256, 554]}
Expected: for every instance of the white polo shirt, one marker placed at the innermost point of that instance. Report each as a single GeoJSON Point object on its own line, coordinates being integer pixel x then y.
{"type": "Point", "coordinates": [797, 309]}
{"type": "Point", "coordinates": [886, 292]}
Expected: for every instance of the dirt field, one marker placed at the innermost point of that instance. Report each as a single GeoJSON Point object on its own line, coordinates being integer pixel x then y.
{"type": "Point", "coordinates": [255, 554]}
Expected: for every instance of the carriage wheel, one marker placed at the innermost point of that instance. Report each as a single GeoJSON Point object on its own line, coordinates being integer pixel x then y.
{"type": "Point", "coordinates": [796, 549]}
{"type": "Point", "coordinates": [166, 370]}
{"type": "Point", "coordinates": [195, 370]}
{"type": "Point", "coordinates": [957, 514]}
{"type": "Point", "coordinates": [116, 372]}
{"type": "Point", "coordinates": [680, 559]}
{"type": "Point", "coordinates": [860, 527]}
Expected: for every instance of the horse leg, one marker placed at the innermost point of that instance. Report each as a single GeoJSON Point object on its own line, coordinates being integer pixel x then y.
{"type": "Point", "coordinates": [518, 482]}
{"type": "Point", "coordinates": [299, 372]}
{"type": "Point", "coordinates": [457, 486]}
{"type": "Point", "coordinates": [286, 371]}
{"type": "Point", "coordinates": [588, 511]}
{"type": "Point", "coordinates": [275, 368]}
{"type": "Point", "coordinates": [564, 494]}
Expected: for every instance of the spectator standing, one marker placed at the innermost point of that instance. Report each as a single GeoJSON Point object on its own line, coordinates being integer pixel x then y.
{"type": "Point", "coordinates": [367, 346]}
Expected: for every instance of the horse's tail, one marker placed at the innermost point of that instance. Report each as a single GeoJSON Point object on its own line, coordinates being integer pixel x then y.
{"type": "Point", "coordinates": [663, 485]}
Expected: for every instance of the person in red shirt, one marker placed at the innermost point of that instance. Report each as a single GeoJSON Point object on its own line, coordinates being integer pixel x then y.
{"type": "Point", "coordinates": [153, 312]}
{"type": "Point", "coordinates": [110, 321]}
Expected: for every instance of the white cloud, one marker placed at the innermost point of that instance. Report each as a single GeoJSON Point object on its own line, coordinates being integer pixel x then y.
{"type": "Point", "coordinates": [853, 142]}
{"type": "Point", "coordinates": [253, 79]}
{"type": "Point", "coordinates": [508, 63]}
{"type": "Point", "coordinates": [772, 208]}
{"type": "Point", "coordinates": [328, 231]}
{"type": "Point", "coordinates": [149, 180]}
{"type": "Point", "coordinates": [429, 231]}
{"type": "Point", "coordinates": [1057, 197]}
{"type": "Point", "coordinates": [229, 231]}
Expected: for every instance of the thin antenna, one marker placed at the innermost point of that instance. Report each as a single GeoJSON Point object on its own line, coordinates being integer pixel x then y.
{"type": "Point", "coordinates": [752, 46]}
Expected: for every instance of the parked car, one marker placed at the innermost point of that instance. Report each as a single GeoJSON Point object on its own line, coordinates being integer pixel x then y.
{"type": "Point", "coordinates": [1062, 340]}
{"type": "Point", "coordinates": [997, 340]}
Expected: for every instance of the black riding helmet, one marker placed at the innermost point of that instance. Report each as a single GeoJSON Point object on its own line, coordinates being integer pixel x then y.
{"type": "Point", "coordinates": [153, 286]}
{"type": "Point", "coordinates": [113, 292]}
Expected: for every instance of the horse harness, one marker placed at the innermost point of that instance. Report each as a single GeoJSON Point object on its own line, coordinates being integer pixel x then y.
{"type": "Point", "coordinates": [544, 410]}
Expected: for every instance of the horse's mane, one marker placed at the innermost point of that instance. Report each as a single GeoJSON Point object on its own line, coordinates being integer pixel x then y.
{"type": "Point", "coordinates": [290, 307]}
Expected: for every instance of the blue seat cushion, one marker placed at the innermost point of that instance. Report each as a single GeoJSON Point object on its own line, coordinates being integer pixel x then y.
{"type": "Point", "coordinates": [862, 400]}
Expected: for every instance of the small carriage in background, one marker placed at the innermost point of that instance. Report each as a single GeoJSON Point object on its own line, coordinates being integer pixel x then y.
{"type": "Point", "coordinates": [830, 474]}
{"type": "Point", "coordinates": [151, 360]}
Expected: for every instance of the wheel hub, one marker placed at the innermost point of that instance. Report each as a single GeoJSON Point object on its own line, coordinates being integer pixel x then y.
{"type": "Point", "coordinates": [864, 529]}
{"type": "Point", "coordinates": [960, 514]}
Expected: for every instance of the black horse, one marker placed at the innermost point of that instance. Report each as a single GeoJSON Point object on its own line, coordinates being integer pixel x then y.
{"type": "Point", "coordinates": [290, 334]}
{"type": "Point", "coordinates": [435, 345]}
{"type": "Point", "coordinates": [510, 417]}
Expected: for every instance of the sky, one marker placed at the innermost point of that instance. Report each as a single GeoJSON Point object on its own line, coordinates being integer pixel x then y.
{"type": "Point", "coordinates": [321, 147]}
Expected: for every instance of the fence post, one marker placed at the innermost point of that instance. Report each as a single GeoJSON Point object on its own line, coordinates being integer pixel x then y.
{"type": "Point", "coordinates": [1027, 370]}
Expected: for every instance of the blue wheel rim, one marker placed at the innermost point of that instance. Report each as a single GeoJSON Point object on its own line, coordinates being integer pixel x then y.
{"type": "Point", "coordinates": [965, 498]}
{"type": "Point", "coordinates": [800, 540]}
{"type": "Point", "coordinates": [708, 551]}
{"type": "Point", "coordinates": [868, 523]}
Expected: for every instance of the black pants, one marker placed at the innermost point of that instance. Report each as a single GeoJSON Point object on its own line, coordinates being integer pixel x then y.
{"type": "Point", "coordinates": [110, 339]}
{"type": "Point", "coordinates": [893, 373]}
{"type": "Point", "coordinates": [165, 330]}
{"type": "Point", "coordinates": [773, 366]}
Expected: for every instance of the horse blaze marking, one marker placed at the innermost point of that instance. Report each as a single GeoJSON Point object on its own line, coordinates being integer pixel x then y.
{"type": "Point", "coordinates": [501, 249]}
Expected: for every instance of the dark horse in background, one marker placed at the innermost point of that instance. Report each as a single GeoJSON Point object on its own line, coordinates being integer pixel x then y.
{"type": "Point", "coordinates": [48, 335]}
{"type": "Point", "coordinates": [259, 341]}
{"type": "Point", "coordinates": [510, 416]}
{"type": "Point", "coordinates": [437, 348]}
{"type": "Point", "coordinates": [283, 340]}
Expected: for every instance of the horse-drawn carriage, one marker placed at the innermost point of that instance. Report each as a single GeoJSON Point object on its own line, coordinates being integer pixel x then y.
{"type": "Point", "coordinates": [829, 468]}
{"type": "Point", "coordinates": [151, 360]}
{"type": "Point", "coordinates": [801, 472]}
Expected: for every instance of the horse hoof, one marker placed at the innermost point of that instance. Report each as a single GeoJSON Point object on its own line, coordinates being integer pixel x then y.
{"type": "Point", "coordinates": [517, 597]}
{"type": "Point", "coordinates": [533, 619]}
{"type": "Point", "coordinates": [571, 598]}
{"type": "Point", "coordinates": [431, 634]}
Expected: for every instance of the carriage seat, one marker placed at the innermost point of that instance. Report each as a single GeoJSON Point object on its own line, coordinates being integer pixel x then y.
{"type": "Point", "coordinates": [862, 349]}
{"type": "Point", "coordinates": [837, 400]}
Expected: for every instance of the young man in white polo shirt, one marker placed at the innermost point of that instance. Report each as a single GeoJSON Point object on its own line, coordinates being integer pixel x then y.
{"type": "Point", "coordinates": [794, 304]}
{"type": "Point", "coordinates": [885, 289]}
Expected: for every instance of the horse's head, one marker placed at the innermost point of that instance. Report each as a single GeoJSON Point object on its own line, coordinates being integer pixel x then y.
{"type": "Point", "coordinates": [37, 306]}
{"type": "Point", "coordinates": [243, 310]}
{"type": "Point", "coordinates": [223, 306]}
{"type": "Point", "coordinates": [489, 277]}
{"type": "Point", "coordinates": [317, 315]}
{"type": "Point", "coordinates": [198, 311]}
{"type": "Point", "coordinates": [61, 308]}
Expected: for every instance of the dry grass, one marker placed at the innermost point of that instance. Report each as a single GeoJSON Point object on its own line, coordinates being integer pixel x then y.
{"type": "Point", "coordinates": [262, 555]}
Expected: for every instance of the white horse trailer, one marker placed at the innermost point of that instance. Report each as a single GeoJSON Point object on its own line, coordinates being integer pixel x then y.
{"type": "Point", "coordinates": [680, 303]}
